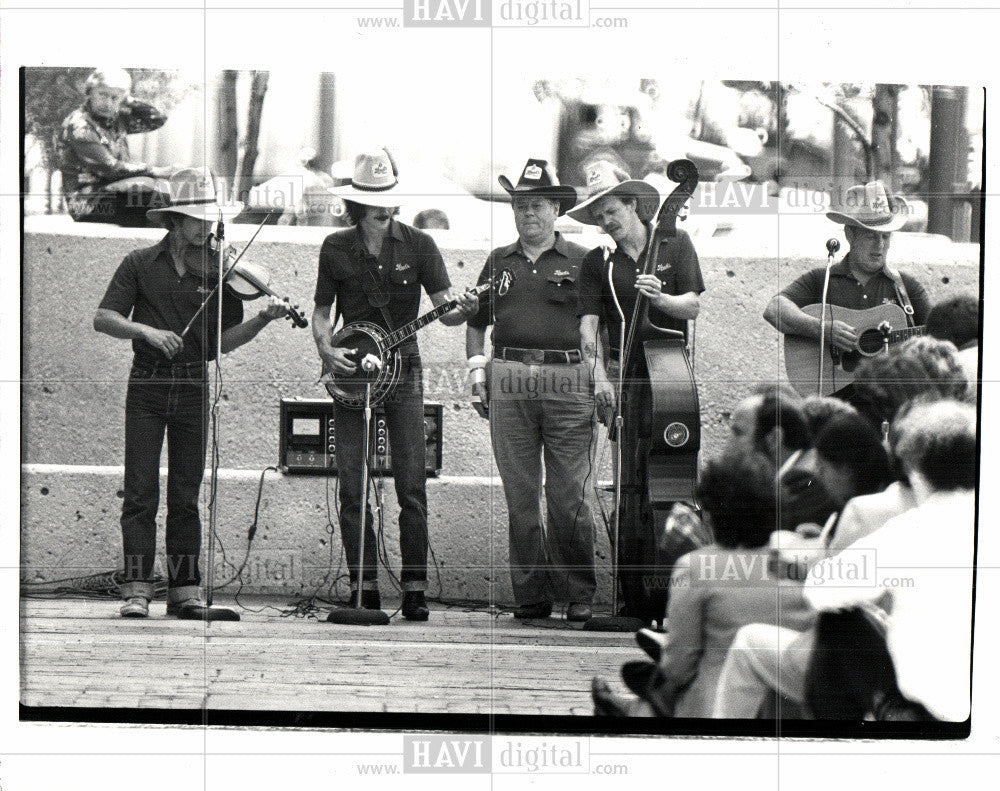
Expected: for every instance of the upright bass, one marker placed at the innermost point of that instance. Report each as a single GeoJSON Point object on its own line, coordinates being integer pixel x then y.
{"type": "Point", "coordinates": [658, 430]}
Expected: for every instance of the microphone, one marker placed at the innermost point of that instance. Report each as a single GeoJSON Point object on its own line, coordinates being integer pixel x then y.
{"type": "Point", "coordinates": [832, 246]}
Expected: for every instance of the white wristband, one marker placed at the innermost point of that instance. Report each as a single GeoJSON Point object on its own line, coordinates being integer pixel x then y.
{"type": "Point", "coordinates": [476, 361]}
{"type": "Point", "coordinates": [477, 376]}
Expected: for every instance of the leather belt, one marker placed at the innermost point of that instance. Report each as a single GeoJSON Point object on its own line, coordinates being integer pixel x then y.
{"type": "Point", "coordinates": [171, 369]}
{"type": "Point", "coordinates": [538, 356]}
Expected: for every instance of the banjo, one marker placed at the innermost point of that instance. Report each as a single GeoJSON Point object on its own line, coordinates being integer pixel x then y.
{"type": "Point", "coordinates": [377, 357]}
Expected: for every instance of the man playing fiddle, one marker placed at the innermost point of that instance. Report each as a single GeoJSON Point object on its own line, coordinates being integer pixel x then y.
{"type": "Point", "coordinates": [373, 271]}
{"type": "Point", "coordinates": [623, 208]}
{"type": "Point", "coordinates": [152, 297]}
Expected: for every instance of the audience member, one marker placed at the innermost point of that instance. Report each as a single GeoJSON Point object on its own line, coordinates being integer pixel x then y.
{"type": "Point", "coordinates": [715, 590]}
{"type": "Point", "coordinates": [885, 382]}
{"type": "Point", "coordinates": [934, 444]}
{"type": "Point", "coordinates": [818, 410]}
{"type": "Point", "coordinates": [929, 550]}
{"type": "Point", "coordinates": [846, 459]}
{"type": "Point", "coordinates": [100, 180]}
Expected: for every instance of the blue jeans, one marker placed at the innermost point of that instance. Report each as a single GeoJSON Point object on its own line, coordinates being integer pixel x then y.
{"type": "Point", "coordinates": [546, 412]}
{"type": "Point", "coordinates": [404, 417]}
{"type": "Point", "coordinates": [172, 401]}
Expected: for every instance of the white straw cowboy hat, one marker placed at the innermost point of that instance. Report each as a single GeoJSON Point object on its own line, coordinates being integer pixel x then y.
{"type": "Point", "coordinates": [374, 182]}
{"type": "Point", "coordinates": [537, 178]}
{"type": "Point", "coordinates": [870, 206]}
{"type": "Point", "coordinates": [604, 179]}
{"type": "Point", "coordinates": [193, 194]}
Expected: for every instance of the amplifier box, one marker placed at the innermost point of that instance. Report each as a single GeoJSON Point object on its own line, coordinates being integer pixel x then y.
{"type": "Point", "coordinates": [308, 438]}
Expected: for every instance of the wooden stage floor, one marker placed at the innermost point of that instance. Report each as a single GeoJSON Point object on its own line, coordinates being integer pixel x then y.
{"type": "Point", "coordinates": [80, 653]}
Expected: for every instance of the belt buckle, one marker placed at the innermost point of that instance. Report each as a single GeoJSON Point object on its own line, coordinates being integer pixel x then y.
{"type": "Point", "coordinates": [535, 356]}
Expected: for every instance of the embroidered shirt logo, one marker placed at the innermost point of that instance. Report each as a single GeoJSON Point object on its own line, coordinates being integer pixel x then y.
{"type": "Point", "coordinates": [402, 267]}
{"type": "Point", "coordinates": [561, 273]}
{"type": "Point", "coordinates": [533, 172]}
{"type": "Point", "coordinates": [663, 267]}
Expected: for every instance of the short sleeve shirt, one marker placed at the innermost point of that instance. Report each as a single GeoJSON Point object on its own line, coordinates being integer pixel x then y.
{"type": "Point", "coordinates": [348, 273]}
{"type": "Point", "coordinates": [92, 152]}
{"type": "Point", "coordinates": [539, 307]}
{"type": "Point", "coordinates": [146, 287]}
{"type": "Point", "coordinates": [846, 291]}
{"type": "Point", "coordinates": [677, 268]}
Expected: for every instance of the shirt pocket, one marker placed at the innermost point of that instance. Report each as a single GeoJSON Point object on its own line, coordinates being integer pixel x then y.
{"type": "Point", "coordinates": [561, 289]}
{"type": "Point", "coordinates": [404, 274]}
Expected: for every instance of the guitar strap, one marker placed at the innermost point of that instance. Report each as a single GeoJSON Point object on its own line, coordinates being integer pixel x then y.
{"type": "Point", "coordinates": [377, 296]}
{"type": "Point", "coordinates": [901, 293]}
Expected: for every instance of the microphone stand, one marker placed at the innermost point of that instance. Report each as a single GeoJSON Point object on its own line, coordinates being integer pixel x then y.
{"type": "Point", "coordinates": [216, 613]}
{"type": "Point", "coordinates": [832, 246]}
{"type": "Point", "coordinates": [616, 622]}
{"type": "Point", "coordinates": [358, 615]}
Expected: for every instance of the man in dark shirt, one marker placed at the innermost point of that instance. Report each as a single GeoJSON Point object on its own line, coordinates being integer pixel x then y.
{"type": "Point", "coordinates": [540, 399]}
{"type": "Point", "coordinates": [154, 294]}
{"type": "Point", "coordinates": [623, 208]}
{"type": "Point", "coordinates": [100, 180]}
{"type": "Point", "coordinates": [376, 262]}
{"type": "Point", "coordinates": [861, 280]}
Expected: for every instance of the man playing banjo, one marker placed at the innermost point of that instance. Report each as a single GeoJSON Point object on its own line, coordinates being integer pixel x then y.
{"type": "Point", "coordinates": [373, 271]}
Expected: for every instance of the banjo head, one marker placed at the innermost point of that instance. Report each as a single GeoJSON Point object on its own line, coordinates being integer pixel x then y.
{"type": "Point", "coordinates": [377, 366]}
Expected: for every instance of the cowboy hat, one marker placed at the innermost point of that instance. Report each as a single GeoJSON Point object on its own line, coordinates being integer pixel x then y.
{"type": "Point", "coordinates": [537, 178]}
{"type": "Point", "coordinates": [193, 194]}
{"type": "Point", "coordinates": [870, 206]}
{"type": "Point", "coordinates": [604, 179]}
{"type": "Point", "coordinates": [374, 182]}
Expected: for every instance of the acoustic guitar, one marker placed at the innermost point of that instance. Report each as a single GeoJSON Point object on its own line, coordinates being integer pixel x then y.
{"type": "Point", "coordinates": [877, 328]}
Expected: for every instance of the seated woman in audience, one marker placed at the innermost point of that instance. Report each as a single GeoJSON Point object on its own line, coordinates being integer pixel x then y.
{"type": "Point", "coordinates": [714, 591]}
{"type": "Point", "coordinates": [846, 459]}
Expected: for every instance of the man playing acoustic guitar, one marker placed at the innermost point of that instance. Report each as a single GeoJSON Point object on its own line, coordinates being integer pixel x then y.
{"type": "Point", "coordinates": [861, 282]}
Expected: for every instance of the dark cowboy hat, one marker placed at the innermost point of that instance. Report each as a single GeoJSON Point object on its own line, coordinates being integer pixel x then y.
{"type": "Point", "coordinates": [538, 178]}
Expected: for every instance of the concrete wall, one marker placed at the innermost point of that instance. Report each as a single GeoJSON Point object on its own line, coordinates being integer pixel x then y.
{"type": "Point", "coordinates": [73, 388]}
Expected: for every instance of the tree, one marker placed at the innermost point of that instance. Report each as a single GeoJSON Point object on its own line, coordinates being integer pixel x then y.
{"type": "Point", "coordinates": [248, 150]}
{"type": "Point", "coordinates": [228, 154]}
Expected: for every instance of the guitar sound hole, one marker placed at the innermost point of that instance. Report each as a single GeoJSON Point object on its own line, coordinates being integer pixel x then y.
{"type": "Point", "coordinates": [870, 342]}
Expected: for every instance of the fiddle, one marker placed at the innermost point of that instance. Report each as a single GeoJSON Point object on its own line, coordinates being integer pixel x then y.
{"type": "Point", "coordinates": [250, 281]}
{"type": "Point", "coordinates": [245, 280]}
